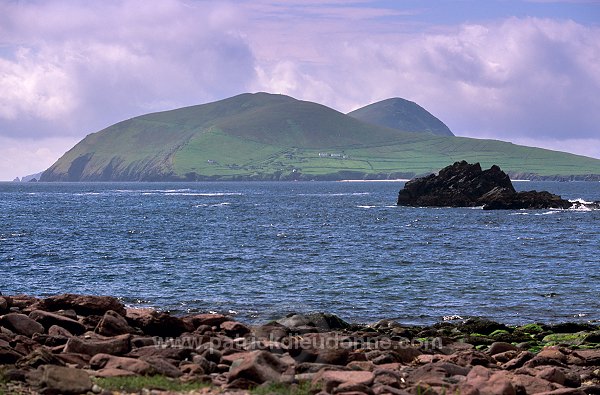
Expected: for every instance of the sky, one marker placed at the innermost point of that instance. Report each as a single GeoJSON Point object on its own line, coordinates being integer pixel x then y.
{"type": "Point", "coordinates": [525, 71]}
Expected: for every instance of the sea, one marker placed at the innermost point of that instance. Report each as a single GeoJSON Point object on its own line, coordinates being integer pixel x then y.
{"type": "Point", "coordinates": [262, 250]}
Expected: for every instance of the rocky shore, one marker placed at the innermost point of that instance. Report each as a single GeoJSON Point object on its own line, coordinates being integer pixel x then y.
{"type": "Point", "coordinates": [73, 344]}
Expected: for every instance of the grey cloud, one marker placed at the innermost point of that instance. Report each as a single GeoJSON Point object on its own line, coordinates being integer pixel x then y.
{"type": "Point", "coordinates": [508, 79]}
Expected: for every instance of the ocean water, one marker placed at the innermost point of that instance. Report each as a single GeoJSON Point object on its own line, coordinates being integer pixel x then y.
{"type": "Point", "coordinates": [263, 250]}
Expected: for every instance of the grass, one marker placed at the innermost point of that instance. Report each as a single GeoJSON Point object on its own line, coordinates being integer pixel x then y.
{"type": "Point", "coordinates": [303, 388]}
{"type": "Point", "coordinates": [138, 383]}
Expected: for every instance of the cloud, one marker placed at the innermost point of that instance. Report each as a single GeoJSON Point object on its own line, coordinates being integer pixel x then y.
{"type": "Point", "coordinates": [507, 79]}
{"type": "Point", "coordinates": [70, 68]}
{"type": "Point", "coordinates": [24, 156]}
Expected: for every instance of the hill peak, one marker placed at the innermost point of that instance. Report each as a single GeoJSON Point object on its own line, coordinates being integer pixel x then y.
{"type": "Point", "coordinates": [401, 114]}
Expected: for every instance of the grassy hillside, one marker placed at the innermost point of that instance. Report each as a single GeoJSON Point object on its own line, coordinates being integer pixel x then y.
{"type": "Point", "coordinates": [263, 136]}
{"type": "Point", "coordinates": [401, 114]}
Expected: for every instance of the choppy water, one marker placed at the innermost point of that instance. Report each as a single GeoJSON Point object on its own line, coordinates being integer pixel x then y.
{"type": "Point", "coordinates": [266, 249]}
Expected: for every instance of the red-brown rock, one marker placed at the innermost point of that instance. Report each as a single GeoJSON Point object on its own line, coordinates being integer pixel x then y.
{"type": "Point", "coordinates": [137, 366]}
{"type": "Point", "coordinates": [328, 380]}
{"type": "Point", "coordinates": [155, 323]}
{"type": "Point", "coordinates": [48, 319]}
{"type": "Point", "coordinates": [113, 324]}
{"type": "Point", "coordinates": [83, 304]}
{"type": "Point", "coordinates": [21, 324]}
{"type": "Point", "coordinates": [234, 329]}
{"type": "Point", "coordinates": [488, 382]}
{"type": "Point", "coordinates": [118, 345]}
{"type": "Point", "coordinates": [63, 380]}
{"type": "Point", "coordinates": [257, 366]}
{"type": "Point", "coordinates": [205, 319]}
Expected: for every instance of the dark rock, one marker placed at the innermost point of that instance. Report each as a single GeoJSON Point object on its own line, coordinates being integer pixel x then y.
{"type": "Point", "coordinates": [3, 304]}
{"type": "Point", "coordinates": [206, 365]}
{"type": "Point", "coordinates": [518, 361]}
{"type": "Point", "coordinates": [22, 302]}
{"type": "Point", "coordinates": [39, 357]}
{"type": "Point", "coordinates": [162, 366]}
{"type": "Point", "coordinates": [335, 356]}
{"type": "Point", "coordinates": [113, 324]}
{"type": "Point", "coordinates": [572, 327]}
{"type": "Point", "coordinates": [83, 304]}
{"type": "Point", "coordinates": [48, 319]}
{"type": "Point", "coordinates": [470, 358]}
{"type": "Point", "coordinates": [467, 185]}
{"type": "Point", "coordinates": [8, 355]}
{"type": "Point", "coordinates": [500, 347]}
{"type": "Point", "coordinates": [480, 325]}
{"type": "Point", "coordinates": [91, 321]}
{"type": "Point", "coordinates": [205, 319]}
{"type": "Point", "coordinates": [24, 345]}
{"type": "Point", "coordinates": [328, 380]}
{"type": "Point", "coordinates": [273, 332]}
{"type": "Point", "coordinates": [321, 321]}
{"type": "Point", "coordinates": [155, 323]}
{"type": "Point", "coordinates": [234, 329]}
{"type": "Point", "coordinates": [21, 324]}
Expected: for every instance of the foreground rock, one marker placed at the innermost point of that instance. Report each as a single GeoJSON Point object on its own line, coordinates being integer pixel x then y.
{"type": "Point", "coordinates": [319, 351]}
{"type": "Point", "coordinates": [467, 185]}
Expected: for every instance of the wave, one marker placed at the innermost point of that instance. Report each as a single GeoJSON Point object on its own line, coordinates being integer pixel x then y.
{"type": "Point", "coordinates": [584, 205]}
{"type": "Point", "coordinates": [336, 194]}
{"type": "Point", "coordinates": [212, 205]}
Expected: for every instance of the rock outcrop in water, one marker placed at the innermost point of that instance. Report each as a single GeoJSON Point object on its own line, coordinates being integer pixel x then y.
{"type": "Point", "coordinates": [63, 344]}
{"type": "Point", "coordinates": [467, 185]}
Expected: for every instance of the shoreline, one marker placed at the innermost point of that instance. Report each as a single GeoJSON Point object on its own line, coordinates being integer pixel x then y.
{"type": "Point", "coordinates": [82, 343]}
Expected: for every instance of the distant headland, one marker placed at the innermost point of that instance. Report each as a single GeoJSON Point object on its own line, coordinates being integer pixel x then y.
{"type": "Point", "coordinates": [264, 136]}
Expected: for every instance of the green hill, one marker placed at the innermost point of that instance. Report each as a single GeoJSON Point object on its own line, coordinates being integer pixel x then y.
{"type": "Point", "coordinates": [273, 137]}
{"type": "Point", "coordinates": [401, 114]}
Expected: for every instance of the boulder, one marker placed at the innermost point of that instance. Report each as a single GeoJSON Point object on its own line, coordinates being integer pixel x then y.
{"type": "Point", "coordinates": [48, 319]}
{"type": "Point", "coordinates": [174, 353]}
{"type": "Point", "coordinates": [155, 323]}
{"type": "Point", "coordinates": [500, 347]}
{"type": "Point", "coordinates": [320, 321]}
{"type": "Point", "coordinates": [118, 345]}
{"type": "Point", "coordinates": [21, 324]}
{"type": "Point", "coordinates": [137, 366]}
{"type": "Point", "coordinates": [162, 366]}
{"type": "Point", "coordinates": [83, 304]}
{"type": "Point", "coordinates": [328, 380]}
{"type": "Point", "coordinates": [467, 185]}
{"type": "Point", "coordinates": [8, 355]}
{"type": "Point", "coordinates": [234, 329]}
{"type": "Point", "coordinates": [113, 324]}
{"type": "Point", "coordinates": [3, 304]}
{"type": "Point", "coordinates": [63, 380]}
{"type": "Point", "coordinates": [205, 319]}
{"type": "Point", "coordinates": [39, 357]}
{"type": "Point", "coordinates": [488, 382]}
{"type": "Point", "coordinates": [258, 367]}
